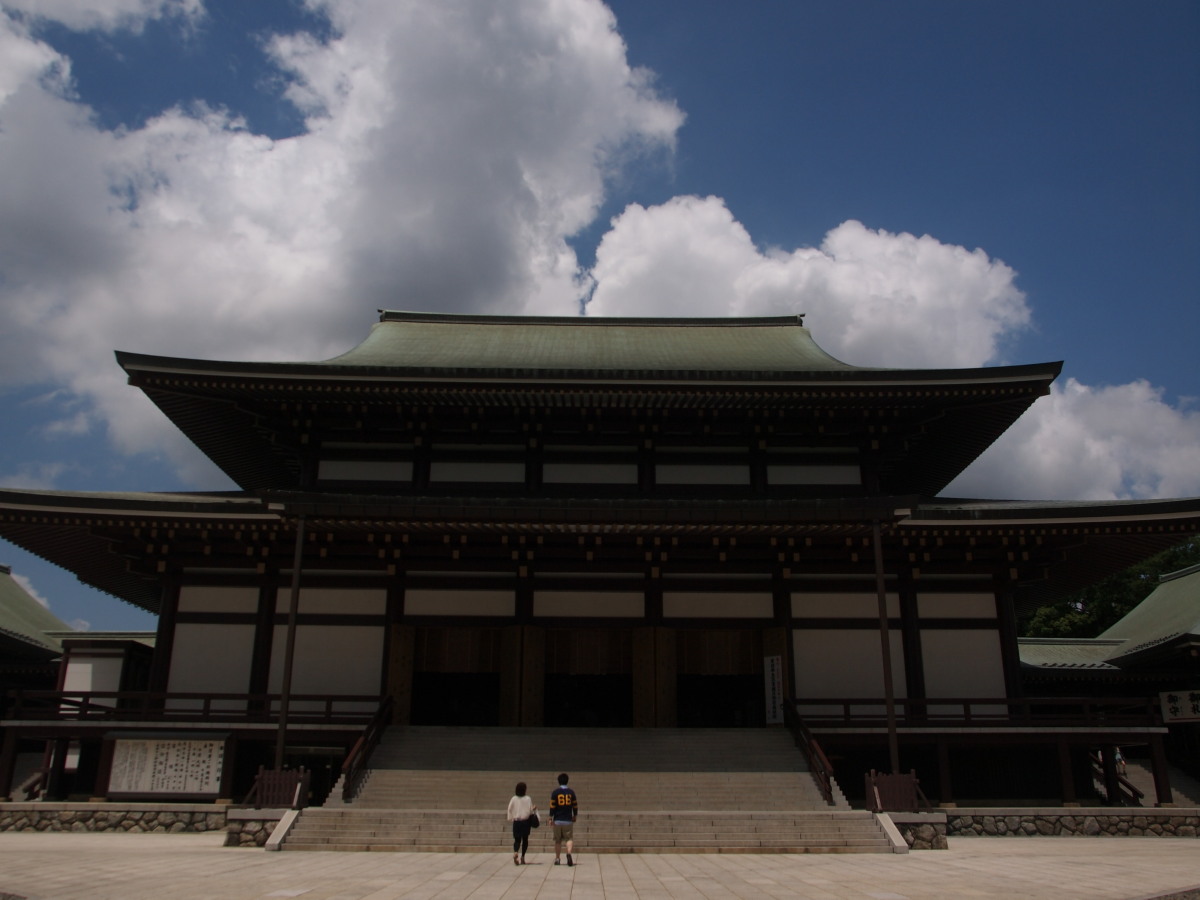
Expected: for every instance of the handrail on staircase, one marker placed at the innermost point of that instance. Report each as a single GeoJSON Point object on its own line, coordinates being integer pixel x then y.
{"type": "Point", "coordinates": [818, 763]}
{"type": "Point", "coordinates": [360, 754]}
{"type": "Point", "coordinates": [1128, 790]}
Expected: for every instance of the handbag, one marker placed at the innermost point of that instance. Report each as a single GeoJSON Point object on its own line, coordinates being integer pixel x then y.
{"type": "Point", "coordinates": [534, 821]}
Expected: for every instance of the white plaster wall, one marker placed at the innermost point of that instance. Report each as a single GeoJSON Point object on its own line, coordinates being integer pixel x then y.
{"type": "Point", "coordinates": [717, 605]}
{"type": "Point", "coordinates": [211, 598]}
{"type": "Point", "coordinates": [833, 663]}
{"type": "Point", "coordinates": [93, 673]}
{"type": "Point", "coordinates": [213, 659]}
{"type": "Point", "coordinates": [956, 606]}
{"type": "Point", "coordinates": [672, 473]}
{"type": "Point", "coordinates": [833, 605]}
{"type": "Point", "coordinates": [330, 659]}
{"type": "Point", "coordinates": [335, 601]}
{"type": "Point", "coordinates": [814, 475]}
{"type": "Point", "coordinates": [962, 663]}
{"type": "Point", "coordinates": [423, 602]}
{"type": "Point", "coordinates": [364, 470]}
{"type": "Point", "coordinates": [590, 473]}
{"type": "Point", "coordinates": [617, 604]}
{"type": "Point", "coordinates": [477, 471]}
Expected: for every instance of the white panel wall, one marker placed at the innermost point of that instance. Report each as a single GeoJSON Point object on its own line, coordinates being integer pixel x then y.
{"type": "Point", "coordinates": [620, 604]}
{"type": "Point", "coordinates": [589, 473]}
{"type": "Point", "coordinates": [814, 475]}
{"type": "Point", "coordinates": [100, 672]}
{"type": "Point", "coordinates": [717, 605]}
{"type": "Point", "coordinates": [956, 606]}
{"type": "Point", "coordinates": [364, 470]}
{"type": "Point", "coordinates": [833, 663]}
{"type": "Point", "coordinates": [211, 659]}
{"type": "Point", "coordinates": [421, 602]}
{"type": "Point", "coordinates": [962, 663]}
{"type": "Point", "coordinates": [670, 473]}
{"type": "Point", "coordinates": [343, 601]}
{"type": "Point", "coordinates": [477, 471]}
{"type": "Point", "coordinates": [832, 605]}
{"type": "Point", "coordinates": [330, 659]}
{"type": "Point", "coordinates": [202, 598]}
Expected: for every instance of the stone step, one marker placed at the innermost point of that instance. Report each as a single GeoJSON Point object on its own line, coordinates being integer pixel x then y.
{"type": "Point", "coordinates": [478, 831]}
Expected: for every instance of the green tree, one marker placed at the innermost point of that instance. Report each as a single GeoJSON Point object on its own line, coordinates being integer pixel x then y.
{"type": "Point", "coordinates": [1089, 612]}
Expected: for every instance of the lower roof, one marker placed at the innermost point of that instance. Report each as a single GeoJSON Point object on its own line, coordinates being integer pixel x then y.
{"type": "Point", "coordinates": [115, 541]}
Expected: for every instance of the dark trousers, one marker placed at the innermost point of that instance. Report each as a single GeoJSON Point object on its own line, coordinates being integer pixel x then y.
{"type": "Point", "coordinates": [520, 836]}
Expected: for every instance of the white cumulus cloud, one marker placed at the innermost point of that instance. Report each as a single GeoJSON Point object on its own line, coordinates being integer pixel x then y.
{"type": "Point", "coordinates": [873, 297]}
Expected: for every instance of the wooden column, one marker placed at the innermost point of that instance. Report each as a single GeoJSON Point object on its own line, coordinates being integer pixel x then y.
{"type": "Point", "coordinates": [512, 665]}
{"type": "Point", "coordinates": [401, 651]}
{"type": "Point", "coordinates": [945, 783]}
{"type": "Point", "coordinates": [645, 678]}
{"type": "Point", "coordinates": [1066, 774]}
{"type": "Point", "coordinates": [1162, 774]}
{"type": "Point", "coordinates": [533, 676]}
{"type": "Point", "coordinates": [666, 674]}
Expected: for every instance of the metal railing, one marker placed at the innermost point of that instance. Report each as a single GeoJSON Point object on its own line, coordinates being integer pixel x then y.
{"type": "Point", "coordinates": [354, 710]}
{"type": "Point", "coordinates": [869, 713]}
{"type": "Point", "coordinates": [818, 763]}
{"type": "Point", "coordinates": [360, 754]}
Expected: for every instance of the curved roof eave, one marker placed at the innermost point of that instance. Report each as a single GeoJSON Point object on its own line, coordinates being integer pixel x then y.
{"type": "Point", "coordinates": [409, 346]}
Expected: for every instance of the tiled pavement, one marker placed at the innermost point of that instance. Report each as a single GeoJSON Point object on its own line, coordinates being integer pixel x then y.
{"type": "Point", "coordinates": [190, 867]}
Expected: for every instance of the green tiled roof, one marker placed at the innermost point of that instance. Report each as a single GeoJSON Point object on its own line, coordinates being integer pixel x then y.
{"type": "Point", "coordinates": [23, 618]}
{"type": "Point", "coordinates": [425, 340]}
{"type": "Point", "coordinates": [1171, 610]}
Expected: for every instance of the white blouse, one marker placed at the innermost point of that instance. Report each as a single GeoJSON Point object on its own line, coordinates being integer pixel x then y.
{"type": "Point", "coordinates": [519, 808]}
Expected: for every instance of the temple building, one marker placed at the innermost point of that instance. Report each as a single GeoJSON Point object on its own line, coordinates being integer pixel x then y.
{"type": "Point", "coordinates": [650, 523]}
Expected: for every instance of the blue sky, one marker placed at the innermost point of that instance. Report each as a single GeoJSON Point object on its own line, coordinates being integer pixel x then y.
{"type": "Point", "coordinates": [933, 183]}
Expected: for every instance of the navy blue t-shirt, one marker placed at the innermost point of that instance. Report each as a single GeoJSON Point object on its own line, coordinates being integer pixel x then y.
{"type": "Point", "coordinates": [564, 805]}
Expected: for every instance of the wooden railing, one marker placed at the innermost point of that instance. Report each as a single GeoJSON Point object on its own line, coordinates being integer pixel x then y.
{"type": "Point", "coordinates": [870, 713]}
{"type": "Point", "coordinates": [360, 754]}
{"type": "Point", "coordinates": [898, 792]}
{"type": "Point", "coordinates": [353, 710]}
{"type": "Point", "coordinates": [818, 763]}
{"type": "Point", "coordinates": [1128, 793]}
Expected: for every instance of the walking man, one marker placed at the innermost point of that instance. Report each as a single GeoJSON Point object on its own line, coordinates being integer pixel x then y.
{"type": "Point", "coordinates": [564, 810]}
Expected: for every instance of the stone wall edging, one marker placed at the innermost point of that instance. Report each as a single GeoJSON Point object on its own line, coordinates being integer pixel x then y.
{"type": "Point", "coordinates": [242, 827]}
{"type": "Point", "coordinates": [1073, 822]}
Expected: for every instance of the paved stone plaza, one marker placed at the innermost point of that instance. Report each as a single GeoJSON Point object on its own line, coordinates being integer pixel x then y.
{"type": "Point", "coordinates": [190, 867]}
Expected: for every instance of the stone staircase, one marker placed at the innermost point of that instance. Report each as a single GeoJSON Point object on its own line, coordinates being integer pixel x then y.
{"type": "Point", "coordinates": [648, 790]}
{"type": "Point", "coordinates": [1184, 788]}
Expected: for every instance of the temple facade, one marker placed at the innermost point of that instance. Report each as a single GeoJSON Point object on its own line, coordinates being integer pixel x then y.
{"type": "Point", "coordinates": [580, 522]}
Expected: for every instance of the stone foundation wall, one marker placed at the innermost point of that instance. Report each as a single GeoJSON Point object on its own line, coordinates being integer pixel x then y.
{"type": "Point", "coordinates": [922, 831]}
{"type": "Point", "coordinates": [158, 818]}
{"type": "Point", "coordinates": [1103, 822]}
{"type": "Point", "coordinates": [242, 827]}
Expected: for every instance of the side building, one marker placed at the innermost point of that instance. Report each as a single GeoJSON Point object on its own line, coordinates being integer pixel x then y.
{"type": "Point", "coordinates": [602, 522]}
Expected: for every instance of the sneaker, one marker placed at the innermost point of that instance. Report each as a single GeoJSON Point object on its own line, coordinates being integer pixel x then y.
{"type": "Point", "coordinates": [558, 862]}
{"type": "Point", "coordinates": [570, 862]}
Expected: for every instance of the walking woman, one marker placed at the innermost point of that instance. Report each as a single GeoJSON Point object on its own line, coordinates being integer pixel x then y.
{"type": "Point", "coordinates": [520, 813]}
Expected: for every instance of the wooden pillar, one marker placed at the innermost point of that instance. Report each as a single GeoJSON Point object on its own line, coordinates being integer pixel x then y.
{"type": "Point", "coordinates": [512, 664]}
{"type": "Point", "coordinates": [945, 783]}
{"type": "Point", "coordinates": [401, 652]}
{"type": "Point", "coordinates": [1066, 774]}
{"type": "Point", "coordinates": [666, 675]}
{"type": "Point", "coordinates": [58, 763]}
{"type": "Point", "coordinates": [533, 676]}
{"type": "Point", "coordinates": [1108, 759]}
{"type": "Point", "coordinates": [8, 763]}
{"type": "Point", "coordinates": [1162, 774]}
{"type": "Point", "coordinates": [160, 666]}
{"type": "Point", "coordinates": [645, 678]}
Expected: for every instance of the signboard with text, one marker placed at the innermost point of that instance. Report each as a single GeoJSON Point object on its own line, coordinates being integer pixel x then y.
{"type": "Point", "coordinates": [167, 767]}
{"type": "Point", "coordinates": [1180, 706]}
{"type": "Point", "coordinates": [773, 688]}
